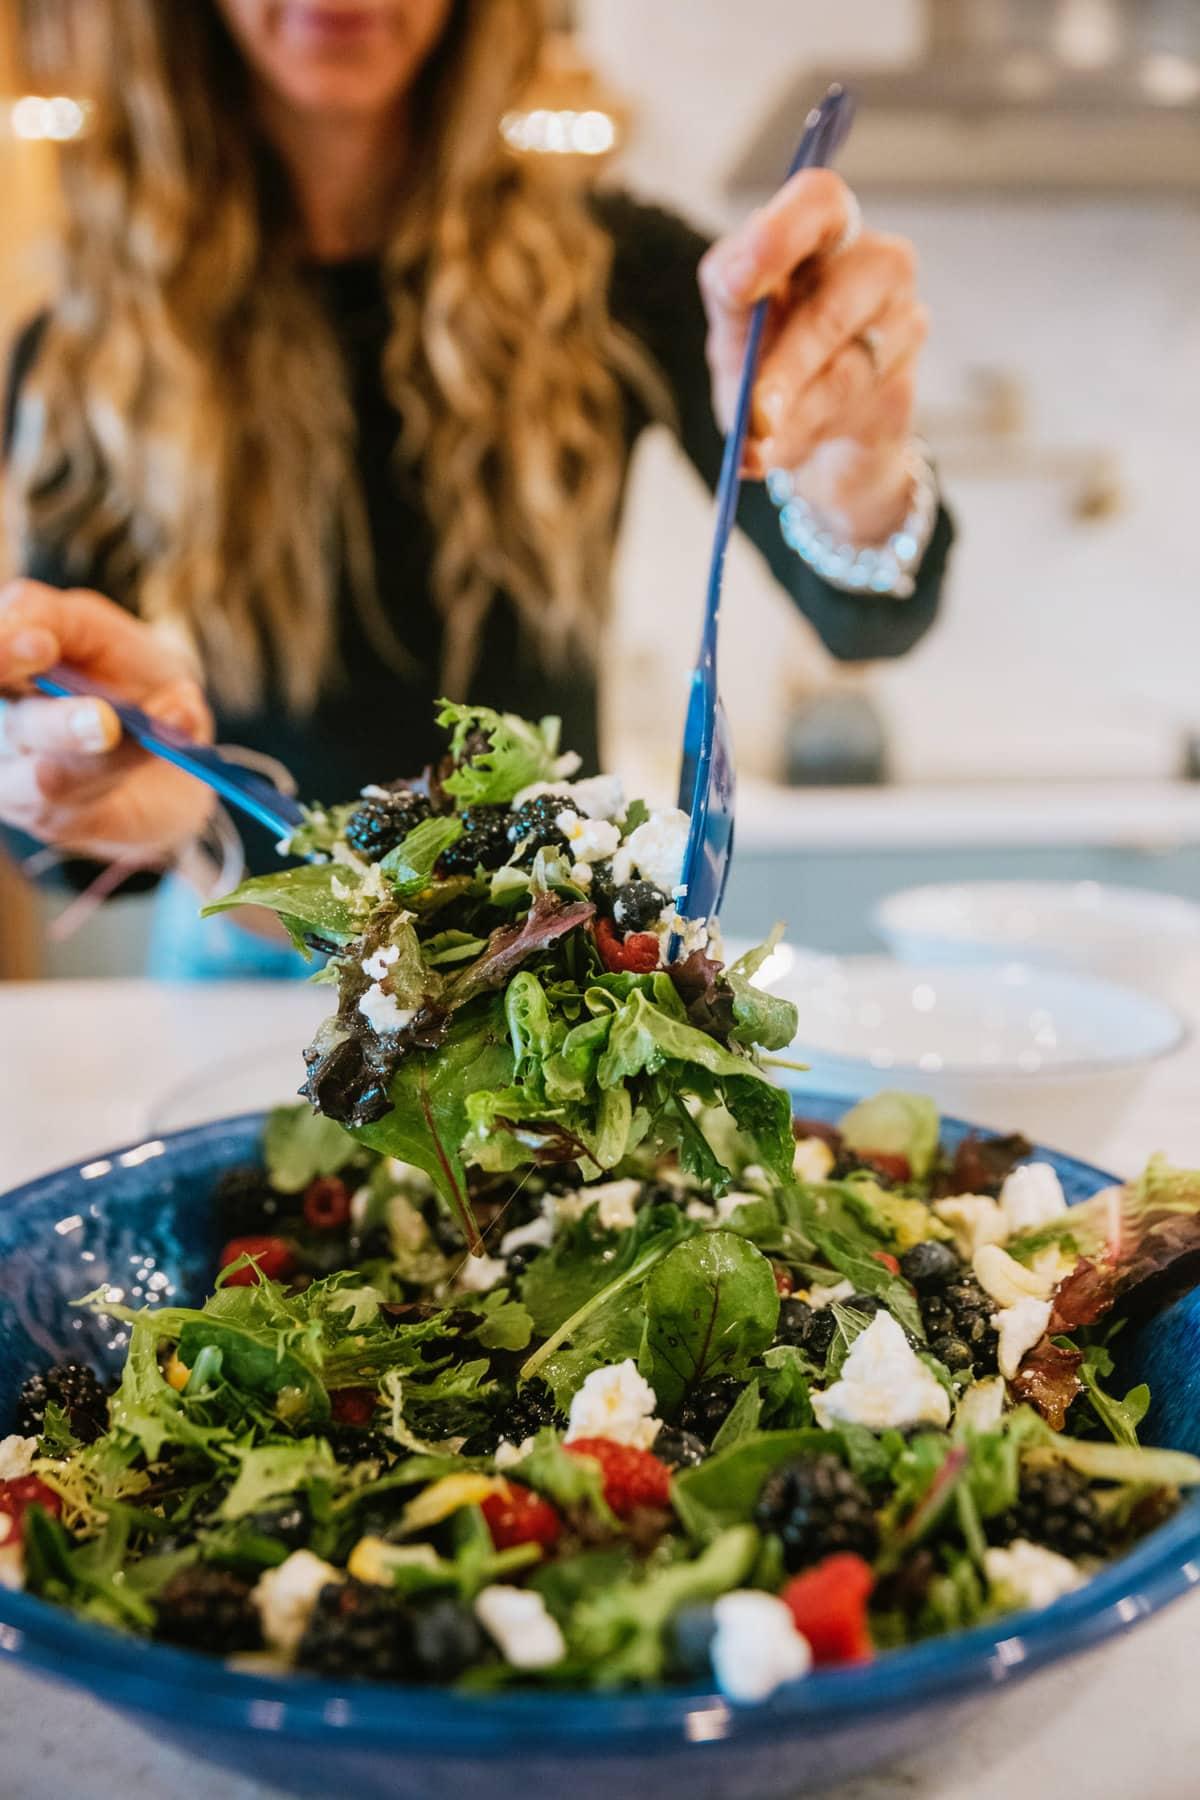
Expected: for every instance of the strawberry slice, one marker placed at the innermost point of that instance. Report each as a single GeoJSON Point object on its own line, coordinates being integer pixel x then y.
{"type": "Point", "coordinates": [16, 1498]}
{"type": "Point", "coordinates": [273, 1256]}
{"type": "Point", "coordinates": [516, 1515]}
{"type": "Point", "coordinates": [829, 1605]}
{"type": "Point", "coordinates": [326, 1203]}
{"type": "Point", "coordinates": [632, 1477]}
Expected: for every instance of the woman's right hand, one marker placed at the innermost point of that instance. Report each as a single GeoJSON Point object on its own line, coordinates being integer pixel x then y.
{"type": "Point", "coordinates": [66, 777]}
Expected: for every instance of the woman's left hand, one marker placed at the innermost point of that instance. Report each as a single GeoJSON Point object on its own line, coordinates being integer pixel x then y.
{"type": "Point", "coordinates": [834, 398]}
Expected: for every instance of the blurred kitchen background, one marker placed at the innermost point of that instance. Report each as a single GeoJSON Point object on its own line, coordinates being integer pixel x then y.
{"type": "Point", "coordinates": [1045, 156]}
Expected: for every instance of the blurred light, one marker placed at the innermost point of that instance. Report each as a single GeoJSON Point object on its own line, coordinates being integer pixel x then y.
{"type": "Point", "coordinates": [561, 132]}
{"type": "Point", "coordinates": [1027, 75]}
{"type": "Point", "coordinates": [1087, 33]}
{"type": "Point", "coordinates": [36, 116]}
{"type": "Point", "coordinates": [1169, 79]}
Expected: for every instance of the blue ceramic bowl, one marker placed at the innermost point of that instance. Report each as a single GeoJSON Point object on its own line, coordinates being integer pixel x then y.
{"type": "Point", "coordinates": [139, 1220]}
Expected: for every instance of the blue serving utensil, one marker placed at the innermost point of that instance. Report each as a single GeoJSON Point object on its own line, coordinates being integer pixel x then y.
{"type": "Point", "coordinates": [250, 793]}
{"type": "Point", "coordinates": [707, 778]}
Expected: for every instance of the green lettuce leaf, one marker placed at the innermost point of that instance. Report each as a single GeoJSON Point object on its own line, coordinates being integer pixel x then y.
{"type": "Point", "coordinates": [710, 1306]}
{"type": "Point", "coordinates": [304, 899]}
{"type": "Point", "coordinates": [409, 867]}
{"type": "Point", "coordinates": [895, 1124]}
{"type": "Point", "coordinates": [299, 1145]}
{"type": "Point", "coordinates": [519, 753]}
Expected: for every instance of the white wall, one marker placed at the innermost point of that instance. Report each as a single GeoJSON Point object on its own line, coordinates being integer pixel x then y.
{"type": "Point", "coordinates": [1067, 646]}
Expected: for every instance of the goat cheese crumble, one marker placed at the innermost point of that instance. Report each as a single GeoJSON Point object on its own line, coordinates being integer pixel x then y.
{"type": "Point", "coordinates": [1032, 1196]}
{"type": "Point", "coordinates": [974, 1220]}
{"type": "Point", "coordinates": [883, 1384]}
{"type": "Point", "coordinates": [16, 1457]}
{"type": "Point", "coordinates": [286, 1596]}
{"type": "Point", "coordinates": [656, 850]}
{"type": "Point", "coordinates": [1025, 1574]}
{"type": "Point", "coordinates": [1019, 1326]}
{"type": "Point", "coordinates": [523, 1629]}
{"type": "Point", "coordinates": [615, 1403]}
{"type": "Point", "coordinates": [383, 1012]}
{"type": "Point", "coordinates": [756, 1646]}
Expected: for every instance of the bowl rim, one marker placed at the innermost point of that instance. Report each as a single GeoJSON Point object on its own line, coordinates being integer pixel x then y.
{"type": "Point", "coordinates": [885, 920]}
{"type": "Point", "coordinates": [148, 1677]}
{"type": "Point", "coordinates": [1073, 1069]}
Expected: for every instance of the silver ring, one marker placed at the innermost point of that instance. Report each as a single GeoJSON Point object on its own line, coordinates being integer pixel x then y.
{"type": "Point", "coordinates": [870, 341]}
{"type": "Point", "coordinates": [852, 230]}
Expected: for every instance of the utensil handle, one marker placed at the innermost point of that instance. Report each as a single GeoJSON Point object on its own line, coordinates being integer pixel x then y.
{"type": "Point", "coordinates": [250, 793]}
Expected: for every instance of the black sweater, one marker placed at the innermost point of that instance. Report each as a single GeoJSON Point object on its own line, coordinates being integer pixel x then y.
{"type": "Point", "coordinates": [376, 724]}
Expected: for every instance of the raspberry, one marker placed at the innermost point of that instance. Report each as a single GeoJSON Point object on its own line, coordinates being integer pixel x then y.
{"type": "Point", "coordinates": [353, 1405]}
{"type": "Point", "coordinates": [516, 1515]}
{"type": "Point", "coordinates": [817, 1506]}
{"type": "Point", "coordinates": [829, 1606]}
{"type": "Point", "coordinates": [273, 1260]}
{"type": "Point", "coordinates": [326, 1203]}
{"type": "Point", "coordinates": [638, 953]}
{"type": "Point", "coordinates": [16, 1498]}
{"type": "Point", "coordinates": [377, 826]}
{"type": "Point", "coordinates": [632, 1478]}
{"type": "Point", "coordinates": [637, 905]}
{"type": "Point", "coordinates": [783, 1280]}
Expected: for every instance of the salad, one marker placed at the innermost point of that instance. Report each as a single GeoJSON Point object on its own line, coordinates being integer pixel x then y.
{"type": "Point", "coordinates": [544, 1345]}
{"type": "Point", "coordinates": [653, 1434]}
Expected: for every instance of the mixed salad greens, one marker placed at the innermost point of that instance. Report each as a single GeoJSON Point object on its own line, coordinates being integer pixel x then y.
{"type": "Point", "coordinates": [498, 936]}
{"type": "Point", "coordinates": [652, 1434]}
{"type": "Point", "coordinates": [545, 1345]}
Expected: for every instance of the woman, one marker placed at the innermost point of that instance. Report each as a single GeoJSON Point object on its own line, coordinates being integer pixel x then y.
{"type": "Point", "coordinates": [336, 404]}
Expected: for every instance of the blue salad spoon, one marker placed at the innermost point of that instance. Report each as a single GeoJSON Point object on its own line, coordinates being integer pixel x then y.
{"type": "Point", "coordinates": [240, 787]}
{"type": "Point", "coordinates": [707, 778]}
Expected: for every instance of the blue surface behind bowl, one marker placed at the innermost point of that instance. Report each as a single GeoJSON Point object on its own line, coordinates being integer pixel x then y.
{"type": "Point", "coordinates": [139, 1220]}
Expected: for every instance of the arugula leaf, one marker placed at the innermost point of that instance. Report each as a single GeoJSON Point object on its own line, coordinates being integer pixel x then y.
{"type": "Point", "coordinates": [710, 1306]}
{"type": "Point", "coordinates": [304, 898]}
{"type": "Point", "coordinates": [429, 1094]}
{"type": "Point", "coordinates": [299, 1145]}
{"type": "Point", "coordinates": [1120, 1418]}
{"type": "Point", "coordinates": [409, 867]}
{"type": "Point", "coordinates": [741, 1421]}
{"type": "Point", "coordinates": [618, 1631]}
{"type": "Point", "coordinates": [723, 1490]}
{"type": "Point", "coordinates": [269, 1470]}
{"type": "Point", "coordinates": [895, 1124]}
{"type": "Point", "coordinates": [518, 753]}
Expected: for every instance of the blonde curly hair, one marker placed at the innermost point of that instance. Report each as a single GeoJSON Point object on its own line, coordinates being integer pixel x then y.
{"type": "Point", "coordinates": [187, 426]}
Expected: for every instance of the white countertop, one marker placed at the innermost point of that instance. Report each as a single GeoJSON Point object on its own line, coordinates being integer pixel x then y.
{"type": "Point", "coordinates": [134, 1056]}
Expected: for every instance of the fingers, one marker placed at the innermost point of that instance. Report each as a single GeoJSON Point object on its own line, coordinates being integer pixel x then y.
{"type": "Point", "coordinates": [807, 216]}
{"type": "Point", "coordinates": [58, 728]}
{"type": "Point", "coordinates": [181, 704]}
{"type": "Point", "coordinates": [796, 411]}
{"type": "Point", "coordinates": [91, 633]}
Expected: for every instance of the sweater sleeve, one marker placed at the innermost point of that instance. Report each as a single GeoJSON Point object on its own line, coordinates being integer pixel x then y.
{"type": "Point", "coordinates": [655, 295]}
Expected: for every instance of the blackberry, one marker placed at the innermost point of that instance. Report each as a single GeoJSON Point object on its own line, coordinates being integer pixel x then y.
{"type": "Point", "coordinates": [679, 1449]}
{"type": "Point", "coordinates": [288, 1524]}
{"type": "Point", "coordinates": [963, 1311]}
{"type": "Point", "coordinates": [520, 1259]}
{"type": "Point", "coordinates": [816, 1507]}
{"type": "Point", "coordinates": [484, 841]}
{"type": "Point", "coordinates": [929, 1266]}
{"type": "Point", "coordinates": [534, 827]}
{"type": "Point", "coordinates": [378, 825]}
{"type": "Point", "coordinates": [245, 1202]}
{"type": "Point", "coordinates": [708, 1406]}
{"type": "Point", "coordinates": [358, 1443]}
{"type": "Point", "coordinates": [529, 1411]}
{"type": "Point", "coordinates": [636, 906]}
{"type": "Point", "coordinates": [203, 1608]}
{"type": "Point", "coordinates": [76, 1389]}
{"type": "Point", "coordinates": [1057, 1508]}
{"type": "Point", "coordinates": [358, 1630]}
{"type": "Point", "coordinates": [809, 1329]}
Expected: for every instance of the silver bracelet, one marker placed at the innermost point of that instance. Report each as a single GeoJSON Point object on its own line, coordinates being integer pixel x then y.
{"type": "Point", "coordinates": [890, 568]}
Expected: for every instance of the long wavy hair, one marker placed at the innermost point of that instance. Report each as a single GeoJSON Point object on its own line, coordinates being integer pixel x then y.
{"type": "Point", "coordinates": [187, 426]}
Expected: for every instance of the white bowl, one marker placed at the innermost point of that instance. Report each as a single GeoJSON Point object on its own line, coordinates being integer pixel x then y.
{"type": "Point", "coordinates": [1126, 934]}
{"type": "Point", "coordinates": [1054, 1054]}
